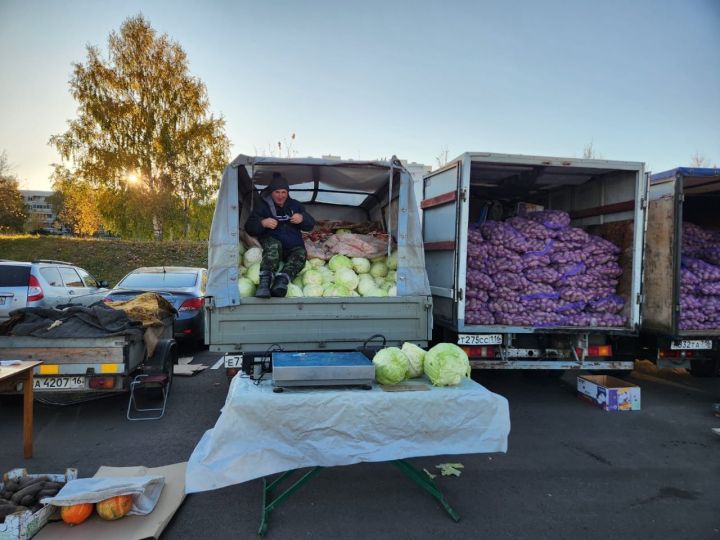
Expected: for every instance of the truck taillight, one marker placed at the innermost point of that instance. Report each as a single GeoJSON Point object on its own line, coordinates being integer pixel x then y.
{"type": "Point", "coordinates": [192, 305]}
{"type": "Point", "coordinates": [102, 383]}
{"type": "Point", "coordinates": [35, 291]}
{"type": "Point", "coordinates": [479, 352]}
{"type": "Point", "coordinates": [594, 351]}
{"type": "Point", "coordinates": [676, 354]}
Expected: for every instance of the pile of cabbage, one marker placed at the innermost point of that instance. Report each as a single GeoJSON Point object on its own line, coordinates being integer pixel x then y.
{"type": "Point", "coordinates": [700, 278]}
{"type": "Point", "coordinates": [539, 271]}
{"type": "Point", "coordinates": [340, 276]}
{"type": "Point", "coordinates": [445, 364]}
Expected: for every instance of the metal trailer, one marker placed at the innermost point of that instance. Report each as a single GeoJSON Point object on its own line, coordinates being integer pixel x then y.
{"type": "Point", "coordinates": [607, 198]}
{"type": "Point", "coordinates": [354, 191]}
{"type": "Point", "coordinates": [75, 369]}
{"type": "Point", "coordinates": [676, 196]}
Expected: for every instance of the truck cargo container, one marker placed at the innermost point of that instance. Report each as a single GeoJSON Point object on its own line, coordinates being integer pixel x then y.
{"type": "Point", "coordinates": [350, 191]}
{"type": "Point", "coordinates": [678, 196]}
{"type": "Point", "coordinates": [604, 198]}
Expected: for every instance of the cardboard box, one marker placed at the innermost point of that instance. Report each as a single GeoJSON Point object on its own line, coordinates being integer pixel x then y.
{"type": "Point", "coordinates": [25, 525]}
{"type": "Point", "coordinates": [609, 393]}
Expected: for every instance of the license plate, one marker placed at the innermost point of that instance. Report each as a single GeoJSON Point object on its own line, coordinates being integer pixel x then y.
{"type": "Point", "coordinates": [233, 360]}
{"type": "Point", "coordinates": [691, 344]}
{"type": "Point", "coordinates": [58, 383]}
{"type": "Point", "coordinates": [479, 339]}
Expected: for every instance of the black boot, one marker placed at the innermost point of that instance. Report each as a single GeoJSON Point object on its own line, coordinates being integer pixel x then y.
{"type": "Point", "coordinates": [280, 285]}
{"type": "Point", "coordinates": [263, 288]}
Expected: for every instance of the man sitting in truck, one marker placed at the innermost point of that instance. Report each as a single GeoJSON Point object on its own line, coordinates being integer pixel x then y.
{"type": "Point", "coordinates": [277, 223]}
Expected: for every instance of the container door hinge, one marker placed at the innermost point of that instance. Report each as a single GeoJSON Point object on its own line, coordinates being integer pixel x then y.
{"type": "Point", "coordinates": [463, 194]}
{"type": "Point", "coordinates": [640, 298]}
{"type": "Point", "coordinates": [681, 197]}
{"type": "Point", "coordinates": [460, 294]}
{"type": "Point", "coordinates": [643, 203]}
{"type": "Point", "coordinates": [677, 308]}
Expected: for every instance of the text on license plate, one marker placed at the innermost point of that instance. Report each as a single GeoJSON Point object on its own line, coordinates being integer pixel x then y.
{"type": "Point", "coordinates": [58, 383]}
{"type": "Point", "coordinates": [479, 339]}
{"type": "Point", "coordinates": [233, 360]}
{"type": "Point", "coordinates": [693, 344]}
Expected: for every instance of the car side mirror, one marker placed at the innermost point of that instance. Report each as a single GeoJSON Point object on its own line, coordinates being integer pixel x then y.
{"type": "Point", "coordinates": [103, 283]}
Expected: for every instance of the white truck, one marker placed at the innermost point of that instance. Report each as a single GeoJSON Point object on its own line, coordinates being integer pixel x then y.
{"type": "Point", "coordinates": [678, 196]}
{"type": "Point", "coordinates": [605, 198]}
{"type": "Point", "coordinates": [351, 191]}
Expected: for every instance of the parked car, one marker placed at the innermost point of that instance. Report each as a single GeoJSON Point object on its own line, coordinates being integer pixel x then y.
{"type": "Point", "coordinates": [46, 283]}
{"type": "Point", "coordinates": [183, 287]}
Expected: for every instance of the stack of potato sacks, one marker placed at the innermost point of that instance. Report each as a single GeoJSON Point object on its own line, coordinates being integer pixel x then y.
{"type": "Point", "coordinates": [700, 278]}
{"type": "Point", "coordinates": [539, 271]}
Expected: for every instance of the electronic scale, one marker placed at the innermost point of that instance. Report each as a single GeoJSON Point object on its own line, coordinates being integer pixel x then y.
{"type": "Point", "coordinates": [321, 369]}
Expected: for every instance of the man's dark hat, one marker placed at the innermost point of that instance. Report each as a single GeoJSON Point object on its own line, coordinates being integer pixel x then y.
{"type": "Point", "coordinates": [278, 182]}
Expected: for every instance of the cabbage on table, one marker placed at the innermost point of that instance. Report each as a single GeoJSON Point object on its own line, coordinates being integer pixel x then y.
{"type": "Point", "coordinates": [446, 364]}
{"type": "Point", "coordinates": [391, 365]}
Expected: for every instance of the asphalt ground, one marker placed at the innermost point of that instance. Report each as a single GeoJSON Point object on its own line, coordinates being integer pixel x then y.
{"type": "Point", "coordinates": [572, 470]}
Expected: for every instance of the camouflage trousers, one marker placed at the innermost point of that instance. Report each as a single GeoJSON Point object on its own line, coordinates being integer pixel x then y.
{"type": "Point", "coordinates": [273, 255]}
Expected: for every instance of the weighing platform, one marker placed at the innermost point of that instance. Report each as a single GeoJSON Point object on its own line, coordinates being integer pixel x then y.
{"type": "Point", "coordinates": [322, 369]}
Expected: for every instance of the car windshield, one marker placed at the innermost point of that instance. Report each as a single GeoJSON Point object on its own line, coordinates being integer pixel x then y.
{"type": "Point", "coordinates": [157, 280]}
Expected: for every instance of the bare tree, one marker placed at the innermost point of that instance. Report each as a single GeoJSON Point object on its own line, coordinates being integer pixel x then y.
{"type": "Point", "coordinates": [589, 151]}
{"type": "Point", "coordinates": [698, 161]}
{"type": "Point", "coordinates": [5, 166]}
{"type": "Point", "coordinates": [284, 148]}
{"type": "Point", "coordinates": [442, 157]}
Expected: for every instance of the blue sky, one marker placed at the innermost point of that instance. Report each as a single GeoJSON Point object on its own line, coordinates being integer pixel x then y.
{"type": "Point", "coordinates": [639, 79]}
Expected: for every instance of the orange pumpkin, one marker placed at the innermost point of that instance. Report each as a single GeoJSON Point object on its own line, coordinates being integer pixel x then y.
{"type": "Point", "coordinates": [114, 507]}
{"type": "Point", "coordinates": [77, 513]}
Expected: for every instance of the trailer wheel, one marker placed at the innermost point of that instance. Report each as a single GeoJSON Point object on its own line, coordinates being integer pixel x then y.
{"type": "Point", "coordinates": [703, 367]}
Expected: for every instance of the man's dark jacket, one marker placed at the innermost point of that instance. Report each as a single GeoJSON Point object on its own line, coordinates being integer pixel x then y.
{"type": "Point", "coordinates": [288, 233]}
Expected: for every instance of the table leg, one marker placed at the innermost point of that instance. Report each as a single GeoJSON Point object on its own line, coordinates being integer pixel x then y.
{"type": "Point", "coordinates": [425, 482]}
{"type": "Point", "coordinates": [28, 415]}
{"type": "Point", "coordinates": [270, 502]}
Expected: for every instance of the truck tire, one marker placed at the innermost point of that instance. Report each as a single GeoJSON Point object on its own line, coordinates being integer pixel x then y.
{"type": "Point", "coordinates": [703, 367]}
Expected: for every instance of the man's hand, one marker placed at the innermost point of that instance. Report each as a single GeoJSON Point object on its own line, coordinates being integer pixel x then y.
{"type": "Point", "coordinates": [269, 223]}
{"type": "Point", "coordinates": [296, 219]}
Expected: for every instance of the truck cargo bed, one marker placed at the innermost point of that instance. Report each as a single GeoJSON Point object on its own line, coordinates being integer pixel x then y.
{"type": "Point", "coordinates": [305, 324]}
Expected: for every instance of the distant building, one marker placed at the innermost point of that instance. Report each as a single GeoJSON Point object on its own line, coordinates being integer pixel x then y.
{"type": "Point", "coordinates": [38, 207]}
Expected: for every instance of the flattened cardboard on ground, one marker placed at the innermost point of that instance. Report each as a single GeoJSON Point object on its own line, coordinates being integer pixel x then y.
{"type": "Point", "coordinates": [188, 370]}
{"type": "Point", "coordinates": [609, 393]}
{"type": "Point", "coordinates": [129, 527]}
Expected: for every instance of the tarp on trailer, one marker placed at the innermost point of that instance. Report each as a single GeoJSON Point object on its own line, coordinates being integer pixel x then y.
{"type": "Point", "coordinates": [315, 181]}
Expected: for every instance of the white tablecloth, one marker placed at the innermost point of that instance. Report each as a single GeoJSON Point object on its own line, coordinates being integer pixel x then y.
{"type": "Point", "coordinates": [260, 432]}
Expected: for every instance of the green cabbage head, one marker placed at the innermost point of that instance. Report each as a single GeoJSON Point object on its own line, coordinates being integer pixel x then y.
{"type": "Point", "coordinates": [313, 290]}
{"type": "Point", "coordinates": [346, 277]}
{"type": "Point", "coordinates": [446, 364]}
{"type": "Point", "coordinates": [312, 277]}
{"type": "Point", "coordinates": [416, 358]}
{"type": "Point", "coordinates": [246, 287]}
{"type": "Point", "coordinates": [294, 291]}
{"type": "Point", "coordinates": [361, 265]}
{"type": "Point", "coordinates": [253, 273]}
{"type": "Point", "coordinates": [392, 261]}
{"type": "Point", "coordinates": [391, 365]}
{"type": "Point", "coordinates": [339, 261]}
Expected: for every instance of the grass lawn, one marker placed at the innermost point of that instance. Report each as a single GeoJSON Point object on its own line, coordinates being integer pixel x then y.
{"type": "Point", "coordinates": [105, 259]}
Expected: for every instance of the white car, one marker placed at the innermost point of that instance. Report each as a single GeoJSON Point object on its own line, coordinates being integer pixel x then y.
{"type": "Point", "coordinates": [45, 283]}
